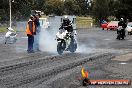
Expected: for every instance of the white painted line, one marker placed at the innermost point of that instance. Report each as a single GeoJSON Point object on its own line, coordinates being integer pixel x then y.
{"type": "Point", "coordinates": [122, 63]}
{"type": "Point", "coordinates": [129, 40]}
{"type": "Point", "coordinates": [24, 37]}
{"type": "Point", "coordinates": [108, 39]}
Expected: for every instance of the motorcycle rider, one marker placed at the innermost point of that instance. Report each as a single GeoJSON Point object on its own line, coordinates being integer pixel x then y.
{"type": "Point", "coordinates": [66, 37]}
{"type": "Point", "coordinates": [123, 24]}
{"type": "Point", "coordinates": [67, 25]}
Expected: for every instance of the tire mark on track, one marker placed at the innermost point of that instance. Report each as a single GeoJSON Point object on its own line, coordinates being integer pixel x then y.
{"type": "Point", "coordinates": [53, 70]}
{"type": "Point", "coordinates": [36, 63]}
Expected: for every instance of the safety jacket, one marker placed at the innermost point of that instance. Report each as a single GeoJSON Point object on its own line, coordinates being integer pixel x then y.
{"type": "Point", "coordinates": [30, 28]}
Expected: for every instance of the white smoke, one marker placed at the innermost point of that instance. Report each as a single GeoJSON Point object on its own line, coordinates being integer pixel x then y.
{"type": "Point", "coordinates": [49, 44]}
{"type": "Point", "coordinates": [86, 48]}
{"type": "Point", "coordinates": [82, 48]}
{"type": "Point", "coordinates": [47, 41]}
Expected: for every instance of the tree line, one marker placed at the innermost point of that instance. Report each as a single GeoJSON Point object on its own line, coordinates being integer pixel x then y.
{"type": "Point", "coordinates": [22, 8]}
{"type": "Point", "coordinates": [117, 8]}
{"type": "Point", "coordinates": [98, 9]}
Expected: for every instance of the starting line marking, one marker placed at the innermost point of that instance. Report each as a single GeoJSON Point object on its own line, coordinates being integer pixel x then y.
{"type": "Point", "coordinates": [108, 39]}
{"type": "Point", "coordinates": [129, 40]}
{"type": "Point", "coordinates": [122, 63]}
{"type": "Point", "coordinates": [24, 37]}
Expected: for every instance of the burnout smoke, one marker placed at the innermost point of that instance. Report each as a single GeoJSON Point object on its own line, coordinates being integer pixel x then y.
{"type": "Point", "coordinates": [47, 41]}
{"type": "Point", "coordinates": [83, 48]}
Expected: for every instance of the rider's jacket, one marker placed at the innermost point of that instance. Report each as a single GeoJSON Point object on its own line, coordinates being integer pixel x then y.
{"type": "Point", "coordinates": [123, 24]}
{"type": "Point", "coordinates": [67, 26]}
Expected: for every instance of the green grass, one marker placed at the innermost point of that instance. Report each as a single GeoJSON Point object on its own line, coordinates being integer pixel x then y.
{"type": "Point", "coordinates": [44, 16]}
{"type": "Point", "coordinates": [84, 22]}
{"type": "Point", "coordinates": [3, 29]}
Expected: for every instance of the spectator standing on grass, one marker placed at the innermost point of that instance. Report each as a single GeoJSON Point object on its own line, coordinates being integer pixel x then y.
{"type": "Point", "coordinates": [37, 32]}
{"type": "Point", "coordinates": [30, 30]}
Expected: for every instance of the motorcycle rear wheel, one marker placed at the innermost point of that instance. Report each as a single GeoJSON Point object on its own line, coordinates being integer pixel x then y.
{"type": "Point", "coordinates": [73, 46]}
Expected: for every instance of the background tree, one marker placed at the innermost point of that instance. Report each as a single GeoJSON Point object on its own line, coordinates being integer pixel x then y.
{"type": "Point", "coordinates": [118, 8]}
{"type": "Point", "coordinates": [53, 7]}
{"type": "Point", "coordinates": [71, 7]}
{"type": "Point", "coordinates": [84, 6]}
{"type": "Point", "coordinates": [124, 9]}
{"type": "Point", "coordinates": [4, 9]}
{"type": "Point", "coordinates": [100, 9]}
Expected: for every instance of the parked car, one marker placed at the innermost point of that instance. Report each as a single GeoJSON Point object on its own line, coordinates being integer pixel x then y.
{"type": "Point", "coordinates": [44, 23]}
{"type": "Point", "coordinates": [129, 28]}
{"type": "Point", "coordinates": [104, 25]}
{"type": "Point", "coordinates": [113, 25]}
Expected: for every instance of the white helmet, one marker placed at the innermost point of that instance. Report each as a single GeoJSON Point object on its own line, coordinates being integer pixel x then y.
{"type": "Point", "coordinates": [121, 19]}
{"type": "Point", "coordinates": [66, 19]}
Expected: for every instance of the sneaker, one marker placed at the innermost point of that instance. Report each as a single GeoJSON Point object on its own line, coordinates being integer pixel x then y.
{"type": "Point", "coordinates": [30, 51]}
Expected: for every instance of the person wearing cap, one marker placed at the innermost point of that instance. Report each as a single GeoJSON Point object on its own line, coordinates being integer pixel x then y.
{"type": "Point", "coordinates": [30, 30]}
{"type": "Point", "coordinates": [37, 32]}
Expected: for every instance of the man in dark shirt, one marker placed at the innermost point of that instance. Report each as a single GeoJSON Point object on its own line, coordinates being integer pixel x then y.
{"type": "Point", "coordinates": [37, 32]}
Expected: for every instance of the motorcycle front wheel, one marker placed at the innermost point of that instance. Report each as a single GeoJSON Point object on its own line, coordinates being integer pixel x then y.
{"type": "Point", "coordinates": [61, 47]}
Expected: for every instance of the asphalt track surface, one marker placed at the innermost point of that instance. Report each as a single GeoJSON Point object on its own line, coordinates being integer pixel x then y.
{"type": "Point", "coordinates": [97, 52]}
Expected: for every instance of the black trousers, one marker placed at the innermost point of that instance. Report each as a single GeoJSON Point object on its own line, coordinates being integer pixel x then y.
{"type": "Point", "coordinates": [30, 43]}
{"type": "Point", "coordinates": [122, 31]}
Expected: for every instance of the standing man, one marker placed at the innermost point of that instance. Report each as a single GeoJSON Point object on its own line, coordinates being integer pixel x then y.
{"type": "Point", "coordinates": [37, 32]}
{"type": "Point", "coordinates": [30, 30]}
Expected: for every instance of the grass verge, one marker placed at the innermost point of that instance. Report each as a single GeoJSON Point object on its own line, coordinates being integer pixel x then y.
{"type": "Point", "coordinates": [84, 22]}
{"type": "Point", "coordinates": [4, 29]}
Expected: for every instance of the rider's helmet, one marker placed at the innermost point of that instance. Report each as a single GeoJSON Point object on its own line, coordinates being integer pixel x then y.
{"type": "Point", "coordinates": [121, 19]}
{"type": "Point", "coordinates": [66, 19]}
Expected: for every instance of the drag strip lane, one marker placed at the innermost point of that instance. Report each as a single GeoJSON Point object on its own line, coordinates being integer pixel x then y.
{"type": "Point", "coordinates": [57, 64]}
{"type": "Point", "coordinates": [37, 59]}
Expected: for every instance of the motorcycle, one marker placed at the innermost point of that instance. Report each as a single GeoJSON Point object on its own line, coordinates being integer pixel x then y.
{"type": "Point", "coordinates": [120, 33]}
{"type": "Point", "coordinates": [66, 41]}
{"type": "Point", "coordinates": [10, 36]}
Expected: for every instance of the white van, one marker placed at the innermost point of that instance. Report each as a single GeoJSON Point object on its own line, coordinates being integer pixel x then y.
{"type": "Point", "coordinates": [44, 23]}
